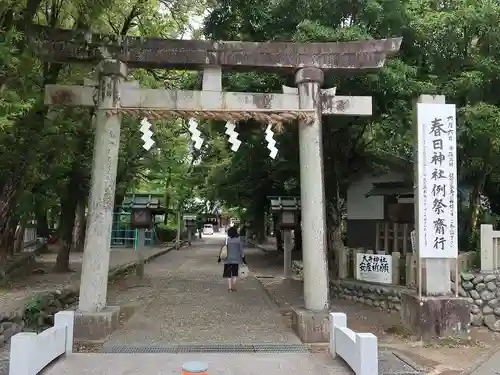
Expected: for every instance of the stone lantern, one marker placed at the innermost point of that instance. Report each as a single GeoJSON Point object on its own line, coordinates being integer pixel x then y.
{"type": "Point", "coordinates": [288, 209]}
{"type": "Point", "coordinates": [190, 223]}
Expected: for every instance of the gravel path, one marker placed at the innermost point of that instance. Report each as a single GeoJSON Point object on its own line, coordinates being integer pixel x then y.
{"type": "Point", "coordinates": [188, 303]}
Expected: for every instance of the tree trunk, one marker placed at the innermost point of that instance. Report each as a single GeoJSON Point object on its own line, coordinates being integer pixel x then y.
{"type": "Point", "coordinates": [178, 237]}
{"type": "Point", "coordinates": [297, 245]}
{"type": "Point", "coordinates": [260, 228]}
{"type": "Point", "coordinates": [167, 195]}
{"type": "Point", "coordinates": [7, 204]}
{"type": "Point", "coordinates": [19, 238]}
{"type": "Point", "coordinates": [8, 236]}
{"type": "Point", "coordinates": [79, 227]}
{"type": "Point", "coordinates": [258, 223]}
{"type": "Point", "coordinates": [334, 224]}
{"type": "Point", "coordinates": [335, 247]}
{"type": "Point", "coordinates": [66, 222]}
{"type": "Point", "coordinates": [277, 233]}
{"type": "Point", "coordinates": [42, 222]}
{"type": "Point", "coordinates": [475, 210]}
{"type": "Point", "coordinates": [476, 201]}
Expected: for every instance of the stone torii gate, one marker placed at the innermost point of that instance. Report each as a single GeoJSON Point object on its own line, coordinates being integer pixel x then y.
{"type": "Point", "coordinates": [114, 96]}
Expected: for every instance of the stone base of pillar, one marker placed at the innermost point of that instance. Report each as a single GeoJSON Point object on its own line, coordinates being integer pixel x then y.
{"type": "Point", "coordinates": [94, 328]}
{"type": "Point", "coordinates": [435, 317]}
{"type": "Point", "coordinates": [311, 326]}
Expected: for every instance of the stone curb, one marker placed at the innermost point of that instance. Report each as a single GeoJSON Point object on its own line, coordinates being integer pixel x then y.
{"type": "Point", "coordinates": [124, 268]}
{"type": "Point", "coordinates": [270, 300]}
{"type": "Point", "coordinates": [260, 247]}
{"type": "Point", "coordinates": [474, 367]}
{"type": "Point", "coordinates": [418, 368]}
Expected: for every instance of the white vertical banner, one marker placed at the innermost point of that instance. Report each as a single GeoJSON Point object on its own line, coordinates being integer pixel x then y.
{"type": "Point", "coordinates": [437, 181]}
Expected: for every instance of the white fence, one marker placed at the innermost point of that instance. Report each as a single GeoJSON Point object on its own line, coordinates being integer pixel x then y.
{"type": "Point", "coordinates": [358, 350]}
{"type": "Point", "coordinates": [29, 235]}
{"type": "Point", "coordinates": [30, 353]}
{"type": "Point", "coordinates": [490, 248]}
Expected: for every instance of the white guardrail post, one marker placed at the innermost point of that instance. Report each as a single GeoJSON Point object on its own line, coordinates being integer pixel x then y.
{"type": "Point", "coordinates": [31, 352]}
{"type": "Point", "coordinates": [358, 350]}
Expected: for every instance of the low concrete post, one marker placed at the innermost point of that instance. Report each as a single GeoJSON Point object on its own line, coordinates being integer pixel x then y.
{"type": "Point", "coordinates": [354, 260]}
{"type": "Point", "coordinates": [358, 350]}
{"type": "Point", "coordinates": [141, 243]}
{"type": "Point", "coordinates": [396, 267]}
{"type": "Point", "coordinates": [343, 263]}
{"type": "Point", "coordinates": [179, 229]}
{"type": "Point", "coordinates": [487, 248]}
{"type": "Point", "coordinates": [22, 350]}
{"type": "Point", "coordinates": [336, 320]}
{"type": "Point", "coordinates": [287, 250]}
{"type": "Point", "coordinates": [367, 354]}
{"type": "Point", "coordinates": [66, 319]}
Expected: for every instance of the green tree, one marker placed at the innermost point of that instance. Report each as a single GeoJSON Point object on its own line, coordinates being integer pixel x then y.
{"type": "Point", "coordinates": [46, 156]}
{"type": "Point", "coordinates": [448, 48]}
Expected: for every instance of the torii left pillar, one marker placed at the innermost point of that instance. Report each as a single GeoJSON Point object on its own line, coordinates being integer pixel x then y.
{"type": "Point", "coordinates": [94, 320]}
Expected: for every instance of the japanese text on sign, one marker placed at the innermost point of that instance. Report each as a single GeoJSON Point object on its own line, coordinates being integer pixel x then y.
{"type": "Point", "coordinates": [437, 181]}
{"type": "Point", "coordinates": [374, 268]}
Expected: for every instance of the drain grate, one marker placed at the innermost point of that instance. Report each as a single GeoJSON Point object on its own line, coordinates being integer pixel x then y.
{"type": "Point", "coordinates": [4, 366]}
{"type": "Point", "coordinates": [212, 348]}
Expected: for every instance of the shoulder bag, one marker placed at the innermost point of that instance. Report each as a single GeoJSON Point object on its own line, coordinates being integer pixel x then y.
{"type": "Point", "coordinates": [223, 251]}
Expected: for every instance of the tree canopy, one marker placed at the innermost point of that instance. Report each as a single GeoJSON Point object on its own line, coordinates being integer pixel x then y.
{"type": "Point", "coordinates": [449, 47]}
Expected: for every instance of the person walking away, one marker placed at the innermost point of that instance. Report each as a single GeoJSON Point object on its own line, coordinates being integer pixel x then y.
{"type": "Point", "coordinates": [235, 257]}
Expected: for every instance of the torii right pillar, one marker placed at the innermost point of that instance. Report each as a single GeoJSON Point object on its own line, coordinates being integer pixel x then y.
{"type": "Point", "coordinates": [312, 192]}
{"type": "Point", "coordinates": [311, 322]}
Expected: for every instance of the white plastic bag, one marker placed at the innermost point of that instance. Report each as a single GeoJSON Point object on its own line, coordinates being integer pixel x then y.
{"type": "Point", "coordinates": [223, 251]}
{"type": "Point", "coordinates": [244, 271]}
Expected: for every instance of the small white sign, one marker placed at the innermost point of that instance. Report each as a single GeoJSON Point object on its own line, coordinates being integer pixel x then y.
{"type": "Point", "coordinates": [413, 239]}
{"type": "Point", "coordinates": [437, 181]}
{"type": "Point", "coordinates": [374, 268]}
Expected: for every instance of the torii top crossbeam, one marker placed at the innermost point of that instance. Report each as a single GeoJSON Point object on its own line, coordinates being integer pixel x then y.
{"type": "Point", "coordinates": [59, 45]}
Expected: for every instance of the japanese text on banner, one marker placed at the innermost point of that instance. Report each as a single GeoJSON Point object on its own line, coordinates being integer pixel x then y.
{"type": "Point", "coordinates": [437, 181]}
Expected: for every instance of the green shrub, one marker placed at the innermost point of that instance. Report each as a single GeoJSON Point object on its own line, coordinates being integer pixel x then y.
{"type": "Point", "coordinates": [165, 233]}
{"type": "Point", "coordinates": [33, 313]}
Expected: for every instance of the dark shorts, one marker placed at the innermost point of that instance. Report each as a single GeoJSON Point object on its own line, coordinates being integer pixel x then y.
{"type": "Point", "coordinates": [231, 270]}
